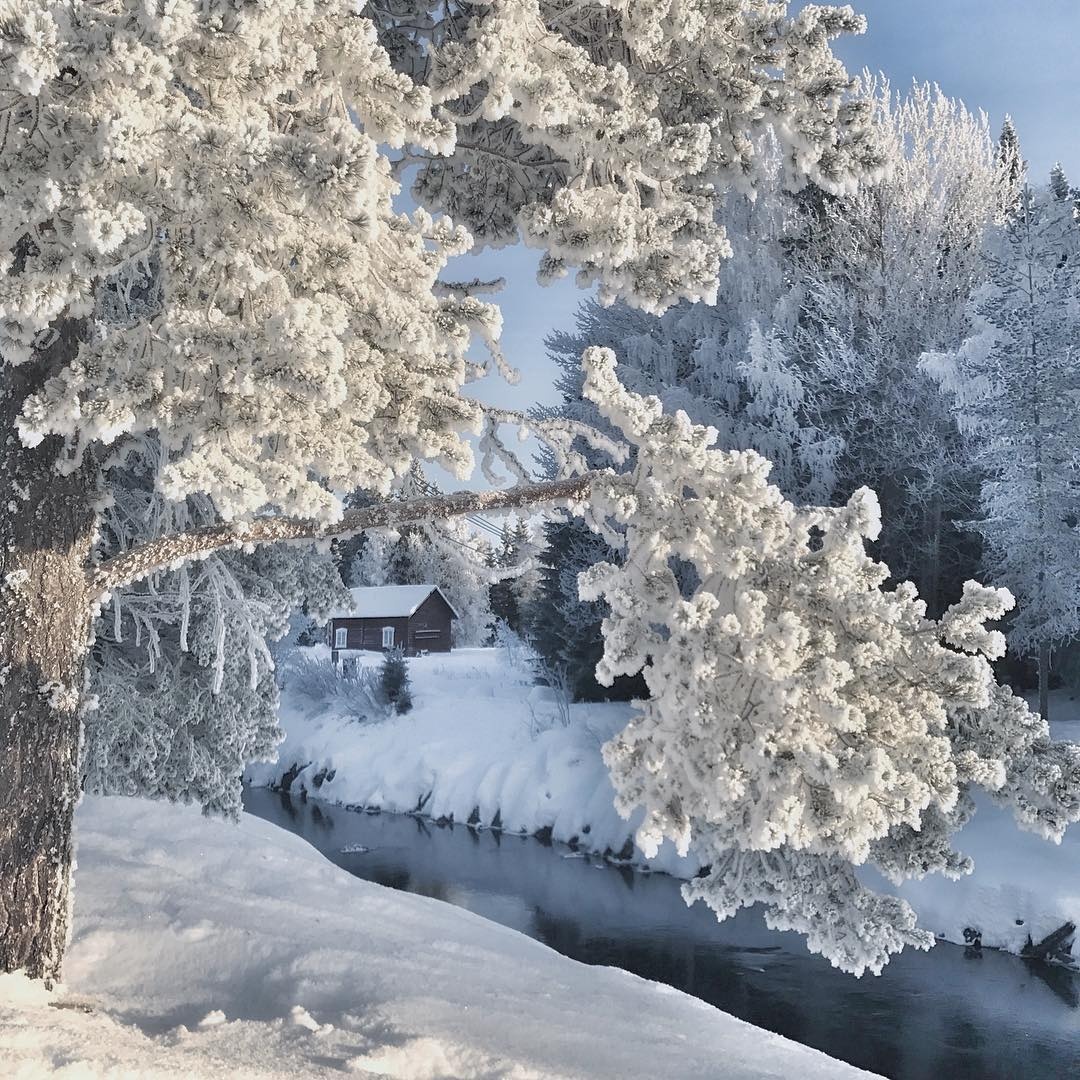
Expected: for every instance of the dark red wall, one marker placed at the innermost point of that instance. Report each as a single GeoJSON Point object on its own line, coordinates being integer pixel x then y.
{"type": "Point", "coordinates": [430, 627]}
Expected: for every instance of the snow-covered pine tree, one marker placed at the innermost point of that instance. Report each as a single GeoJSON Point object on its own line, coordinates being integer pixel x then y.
{"type": "Point", "coordinates": [452, 557]}
{"type": "Point", "coordinates": [725, 365]}
{"type": "Point", "coordinates": [730, 364]}
{"type": "Point", "coordinates": [304, 345]}
{"type": "Point", "coordinates": [1059, 184]}
{"type": "Point", "coordinates": [1009, 158]}
{"type": "Point", "coordinates": [510, 596]}
{"type": "Point", "coordinates": [884, 275]}
{"type": "Point", "coordinates": [1015, 385]}
{"type": "Point", "coordinates": [565, 631]}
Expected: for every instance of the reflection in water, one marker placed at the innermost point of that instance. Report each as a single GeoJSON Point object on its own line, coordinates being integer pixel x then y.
{"type": "Point", "coordinates": [944, 1015]}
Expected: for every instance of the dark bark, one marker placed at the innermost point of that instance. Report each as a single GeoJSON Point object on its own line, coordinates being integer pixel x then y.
{"type": "Point", "coordinates": [1044, 679]}
{"type": "Point", "coordinates": [46, 529]}
{"type": "Point", "coordinates": [1052, 947]}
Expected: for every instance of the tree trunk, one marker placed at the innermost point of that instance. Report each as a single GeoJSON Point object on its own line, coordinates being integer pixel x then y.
{"type": "Point", "coordinates": [932, 572]}
{"type": "Point", "coordinates": [46, 529]}
{"type": "Point", "coordinates": [1044, 680]}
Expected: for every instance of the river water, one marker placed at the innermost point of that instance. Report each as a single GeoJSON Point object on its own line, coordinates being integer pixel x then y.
{"type": "Point", "coordinates": [950, 1014]}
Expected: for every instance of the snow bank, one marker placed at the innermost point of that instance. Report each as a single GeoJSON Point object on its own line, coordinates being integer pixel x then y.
{"type": "Point", "coordinates": [470, 750]}
{"type": "Point", "coordinates": [205, 949]}
{"type": "Point", "coordinates": [482, 744]}
{"type": "Point", "coordinates": [1022, 885]}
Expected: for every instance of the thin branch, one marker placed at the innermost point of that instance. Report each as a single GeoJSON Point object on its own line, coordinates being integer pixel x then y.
{"type": "Point", "coordinates": [172, 551]}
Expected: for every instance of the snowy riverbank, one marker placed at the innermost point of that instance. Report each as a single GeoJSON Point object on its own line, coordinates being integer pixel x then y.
{"type": "Point", "coordinates": [482, 744]}
{"type": "Point", "coordinates": [207, 949]}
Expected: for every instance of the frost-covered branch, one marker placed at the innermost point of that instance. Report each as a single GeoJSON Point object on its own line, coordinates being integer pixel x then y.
{"type": "Point", "coordinates": [169, 551]}
{"type": "Point", "coordinates": [802, 720]}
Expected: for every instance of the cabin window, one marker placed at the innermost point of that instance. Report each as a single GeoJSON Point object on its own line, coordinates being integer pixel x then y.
{"type": "Point", "coordinates": [341, 637]}
{"type": "Point", "coordinates": [387, 637]}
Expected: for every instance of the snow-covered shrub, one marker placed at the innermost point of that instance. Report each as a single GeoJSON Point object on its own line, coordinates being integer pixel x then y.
{"type": "Point", "coordinates": [549, 701]}
{"type": "Point", "coordinates": [316, 679]}
{"type": "Point", "coordinates": [515, 647]}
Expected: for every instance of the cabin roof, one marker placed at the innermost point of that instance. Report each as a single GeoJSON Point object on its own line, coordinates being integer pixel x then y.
{"type": "Point", "coordinates": [391, 601]}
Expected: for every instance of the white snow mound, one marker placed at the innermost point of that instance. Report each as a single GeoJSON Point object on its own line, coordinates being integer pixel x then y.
{"type": "Point", "coordinates": [207, 949]}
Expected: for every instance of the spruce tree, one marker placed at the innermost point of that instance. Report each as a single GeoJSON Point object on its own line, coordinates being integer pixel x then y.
{"type": "Point", "coordinates": [1010, 161]}
{"type": "Point", "coordinates": [1014, 384]}
{"type": "Point", "coordinates": [511, 593]}
{"type": "Point", "coordinates": [502, 595]}
{"type": "Point", "coordinates": [394, 689]}
{"type": "Point", "coordinates": [1059, 184]}
{"type": "Point", "coordinates": [564, 630]}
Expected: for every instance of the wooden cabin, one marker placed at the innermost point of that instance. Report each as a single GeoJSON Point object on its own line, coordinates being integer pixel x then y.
{"type": "Point", "coordinates": [416, 618]}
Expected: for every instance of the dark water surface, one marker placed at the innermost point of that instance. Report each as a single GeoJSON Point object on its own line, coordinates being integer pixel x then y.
{"type": "Point", "coordinates": [944, 1015]}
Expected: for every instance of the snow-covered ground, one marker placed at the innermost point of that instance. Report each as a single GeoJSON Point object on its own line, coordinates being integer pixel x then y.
{"type": "Point", "coordinates": [206, 949]}
{"type": "Point", "coordinates": [483, 744]}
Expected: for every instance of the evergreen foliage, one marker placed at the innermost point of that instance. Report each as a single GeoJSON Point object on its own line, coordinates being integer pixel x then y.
{"type": "Point", "coordinates": [564, 630]}
{"type": "Point", "coordinates": [1014, 384]}
{"type": "Point", "coordinates": [510, 595]}
{"type": "Point", "coordinates": [802, 721]}
{"type": "Point", "coordinates": [394, 687]}
{"type": "Point", "coordinates": [1009, 158]}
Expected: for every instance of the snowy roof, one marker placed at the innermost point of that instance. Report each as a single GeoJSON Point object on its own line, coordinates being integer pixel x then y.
{"type": "Point", "coordinates": [392, 601]}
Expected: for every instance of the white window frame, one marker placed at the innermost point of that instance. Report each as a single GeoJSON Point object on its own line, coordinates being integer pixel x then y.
{"type": "Point", "coordinates": [387, 637]}
{"type": "Point", "coordinates": [341, 637]}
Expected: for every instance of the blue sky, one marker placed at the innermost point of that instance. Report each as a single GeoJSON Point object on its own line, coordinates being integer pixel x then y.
{"type": "Point", "coordinates": [1015, 56]}
{"type": "Point", "coordinates": [1002, 56]}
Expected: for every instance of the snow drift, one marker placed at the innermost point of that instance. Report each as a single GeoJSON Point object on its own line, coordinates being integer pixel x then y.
{"type": "Point", "coordinates": [208, 949]}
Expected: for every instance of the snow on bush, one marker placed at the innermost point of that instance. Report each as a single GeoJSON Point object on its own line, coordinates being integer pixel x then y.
{"type": "Point", "coordinates": [312, 675]}
{"type": "Point", "coordinates": [394, 689]}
